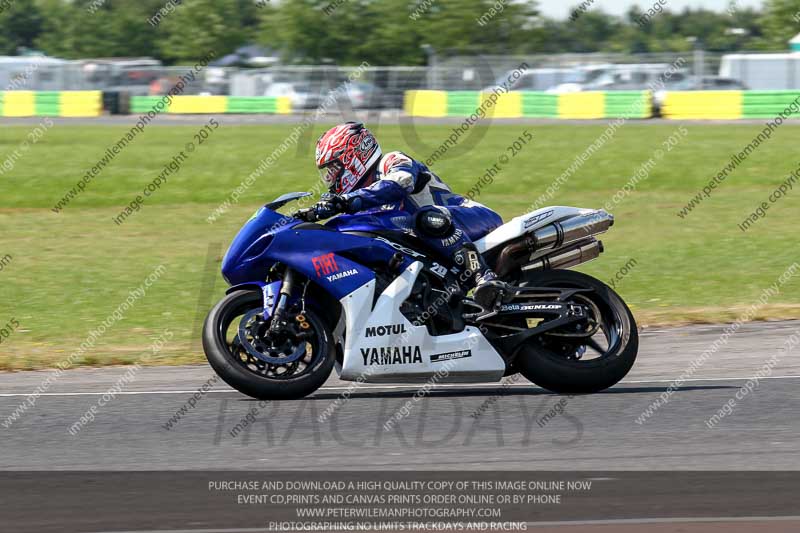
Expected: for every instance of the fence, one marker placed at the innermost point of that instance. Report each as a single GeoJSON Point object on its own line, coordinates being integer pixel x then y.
{"type": "Point", "coordinates": [384, 86]}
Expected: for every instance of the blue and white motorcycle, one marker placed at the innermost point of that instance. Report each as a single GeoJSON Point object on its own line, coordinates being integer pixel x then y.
{"type": "Point", "coordinates": [369, 299]}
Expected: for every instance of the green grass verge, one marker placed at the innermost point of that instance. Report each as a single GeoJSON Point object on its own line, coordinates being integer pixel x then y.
{"type": "Point", "coordinates": [69, 271]}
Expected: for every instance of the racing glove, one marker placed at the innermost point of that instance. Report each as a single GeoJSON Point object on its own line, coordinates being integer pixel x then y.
{"type": "Point", "coordinates": [329, 205]}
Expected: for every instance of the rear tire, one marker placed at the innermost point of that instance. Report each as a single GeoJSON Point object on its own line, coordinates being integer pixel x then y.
{"type": "Point", "coordinates": [554, 372]}
{"type": "Point", "coordinates": [230, 366]}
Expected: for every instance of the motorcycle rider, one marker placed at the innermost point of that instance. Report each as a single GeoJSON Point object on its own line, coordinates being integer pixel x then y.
{"type": "Point", "coordinates": [361, 179]}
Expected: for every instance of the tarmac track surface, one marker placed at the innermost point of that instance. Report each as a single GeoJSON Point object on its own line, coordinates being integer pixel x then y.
{"type": "Point", "coordinates": [464, 427]}
{"type": "Point", "coordinates": [750, 459]}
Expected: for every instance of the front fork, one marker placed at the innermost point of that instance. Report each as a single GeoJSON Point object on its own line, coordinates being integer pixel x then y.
{"type": "Point", "coordinates": [279, 313]}
{"type": "Point", "coordinates": [276, 302]}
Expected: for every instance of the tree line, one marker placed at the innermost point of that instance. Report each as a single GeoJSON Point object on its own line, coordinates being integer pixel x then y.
{"type": "Point", "coordinates": [381, 32]}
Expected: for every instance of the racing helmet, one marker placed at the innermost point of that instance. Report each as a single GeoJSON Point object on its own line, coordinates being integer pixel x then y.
{"type": "Point", "coordinates": [346, 155]}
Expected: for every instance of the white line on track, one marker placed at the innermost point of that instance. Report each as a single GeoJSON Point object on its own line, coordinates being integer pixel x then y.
{"type": "Point", "coordinates": [378, 387]}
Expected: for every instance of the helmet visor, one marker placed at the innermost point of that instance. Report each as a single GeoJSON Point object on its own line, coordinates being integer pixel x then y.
{"type": "Point", "coordinates": [331, 173]}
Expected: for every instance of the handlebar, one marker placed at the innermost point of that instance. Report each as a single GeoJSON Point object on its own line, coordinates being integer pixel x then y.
{"type": "Point", "coordinates": [306, 215]}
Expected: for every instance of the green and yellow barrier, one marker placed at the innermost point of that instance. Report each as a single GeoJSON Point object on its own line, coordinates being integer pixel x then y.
{"type": "Point", "coordinates": [459, 103]}
{"type": "Point", "coordinates": [259, 104]}
{"type": "Point", "coordinates": [539, 105]}
{"type": "Point", "coordinates": [586, 105]}
{"type": "Point", "coordinates": [51, 103]}
{"type": "Point", "coordinates": [702, 105]}
{"type": "Point", "coordinates": [628, 104]}
{"type": "Point", "coordinates": [199, 105]}
{"type": "Point", "coordinates": [581, 105]}
{"type": "Point", "coordinates": [508, 105]}
{"type": "Point", "coordinates": [425, 103]}
{"type": "Point", "coordinates": [768, 104]}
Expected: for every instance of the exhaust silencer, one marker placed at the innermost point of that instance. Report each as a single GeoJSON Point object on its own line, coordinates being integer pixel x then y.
{"type": "Point", "coordinates": [569, 257]}
{"type": "Point", "coordinates": [553, 237]}
{"type": "Point", "coordinates": [571, 230]}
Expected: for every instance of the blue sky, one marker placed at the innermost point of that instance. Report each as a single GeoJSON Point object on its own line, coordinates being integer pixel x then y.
{"type": "Point", "coordinates": [561, 8]}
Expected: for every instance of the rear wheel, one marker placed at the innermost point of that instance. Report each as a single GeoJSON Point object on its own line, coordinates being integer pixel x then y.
{"type": "Point", "coordinates": [586, 357]}
{"type": "Point", "coordinates": [268, 365]}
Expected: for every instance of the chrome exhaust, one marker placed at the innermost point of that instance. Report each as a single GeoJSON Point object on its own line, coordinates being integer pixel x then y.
{"type": "Point", "coordinates": [551, 238]}
{"type": "Point", "coordinates": [568, 257]}
{"type": "Point", "coordinates": [571, 230]}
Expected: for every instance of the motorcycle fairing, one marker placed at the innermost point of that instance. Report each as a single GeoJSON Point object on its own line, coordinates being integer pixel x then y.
{"type": "Point", "coordinates": [382, 345]}
{"type": "Point", "coordinates": [338, 263]}
{"type": "Point", "coordinates": [269, 238]}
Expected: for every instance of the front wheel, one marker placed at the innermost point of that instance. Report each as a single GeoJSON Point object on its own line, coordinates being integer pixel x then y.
{"type": "Point", "coordinates": [265, 364]}
{"type": "Point", "coordinates": [571, 362]}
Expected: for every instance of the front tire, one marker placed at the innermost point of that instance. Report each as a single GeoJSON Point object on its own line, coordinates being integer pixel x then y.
{"type": "Point", "coordinates": [546, 360]}
{"type": "Point", "coordinates": [253, 377]}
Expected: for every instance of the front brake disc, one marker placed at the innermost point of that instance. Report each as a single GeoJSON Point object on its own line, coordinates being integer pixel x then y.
{"type": "Point", "coordinates": [261, 347]}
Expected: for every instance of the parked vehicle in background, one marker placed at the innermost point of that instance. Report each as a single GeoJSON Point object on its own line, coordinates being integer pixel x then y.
{"type": "Point", "coordinates": [362, 95]}
{"type": "Point", "coordinates": [763, 72]}
{"type": "Point", "coordinates": [301, 95]}
{"type": "Point", "coordinates": [612, 77]}
{"type": "Point", "coordinates": [579, 78]}
{"type": "Point", "coordinates": [694, 83]}
{"type": "Point", "coordinates": [537, 79]}
{"type": "Point", "coordinates": [31, 72]}
{"type": "Point", "coordinates": [133, 75]}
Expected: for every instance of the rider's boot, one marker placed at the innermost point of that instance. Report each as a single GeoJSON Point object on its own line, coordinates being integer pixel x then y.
{"type": "Point", "coordinates": [487, 287]}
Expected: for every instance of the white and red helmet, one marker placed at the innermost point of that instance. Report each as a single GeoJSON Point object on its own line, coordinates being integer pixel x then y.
{"type": "Point", "coordinates": [345, 155]}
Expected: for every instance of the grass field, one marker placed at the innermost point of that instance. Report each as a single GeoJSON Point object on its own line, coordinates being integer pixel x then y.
{"type": "Point", "coordinates": [62, 274]}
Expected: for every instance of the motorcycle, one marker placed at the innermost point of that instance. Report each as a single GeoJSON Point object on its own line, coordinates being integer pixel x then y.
{"type": "Point", "coordinates": [363, 295]}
